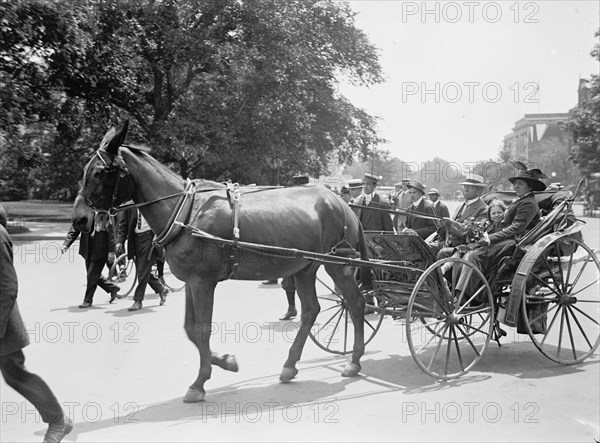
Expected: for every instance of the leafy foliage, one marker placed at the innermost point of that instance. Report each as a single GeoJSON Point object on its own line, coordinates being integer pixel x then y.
{"type": "Point", "coordinates": [585, 126]}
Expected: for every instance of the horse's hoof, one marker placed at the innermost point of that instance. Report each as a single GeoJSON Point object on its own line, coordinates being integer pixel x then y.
{"type": "Point", "coordinates": [351, 370]}
{"type": "Point", "coordinates": [287, 374]}
{"type": "Point", "coordinates": [193, 396]}
{"type": "Point", "coordinates": [230, 363]}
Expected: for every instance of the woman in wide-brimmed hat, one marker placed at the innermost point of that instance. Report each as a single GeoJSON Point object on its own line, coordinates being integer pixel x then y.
{"type": "Point", "coordinates": [520, 217]}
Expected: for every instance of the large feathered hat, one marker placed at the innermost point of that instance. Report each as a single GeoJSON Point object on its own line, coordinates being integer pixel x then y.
{"type": "Point", "coordinates": [533, 177]}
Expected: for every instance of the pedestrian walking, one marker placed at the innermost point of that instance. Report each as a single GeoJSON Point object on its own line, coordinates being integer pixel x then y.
{"type": "Point", "coordinates": [13, 338]}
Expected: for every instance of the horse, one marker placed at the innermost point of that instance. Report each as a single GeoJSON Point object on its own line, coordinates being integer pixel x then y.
{"type": "Point", "coordinates": [308, 218]}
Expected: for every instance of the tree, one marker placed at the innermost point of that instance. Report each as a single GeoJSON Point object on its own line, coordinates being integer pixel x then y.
{"type": "Point", "coordinates": [231, 89]}
{"type": "Point", "coordinates": [585, 126]}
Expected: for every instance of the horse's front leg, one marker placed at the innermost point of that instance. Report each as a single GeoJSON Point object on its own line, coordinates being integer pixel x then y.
{"type": "Point", "coordinates": [199, 299]}
{"type": "Point", "coordinates": [305, 286]}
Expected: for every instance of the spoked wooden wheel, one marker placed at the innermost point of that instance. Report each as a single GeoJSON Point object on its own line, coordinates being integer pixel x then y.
{"type": "Point", "coordinates": [561, 306]}
{"type": "Point", "coordinates": [123, 273]}
{"type": "Point", "coordinates": [333, 330]}
{"type": "Point", "coordinates": [456, 321]}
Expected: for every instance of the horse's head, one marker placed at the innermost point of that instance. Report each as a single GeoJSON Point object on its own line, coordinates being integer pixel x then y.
{"type": "Point", "coordinates": [106, 182]}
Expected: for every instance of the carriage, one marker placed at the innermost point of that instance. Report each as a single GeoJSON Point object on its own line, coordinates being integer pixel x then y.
{"type": "Point", "coordinates": [548, 290]}
{"type": "Point", "coordinates": [214, 231]}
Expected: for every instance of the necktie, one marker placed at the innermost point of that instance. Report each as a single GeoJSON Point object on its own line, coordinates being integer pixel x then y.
{"type": "Point", "coordinates": [139, 221]}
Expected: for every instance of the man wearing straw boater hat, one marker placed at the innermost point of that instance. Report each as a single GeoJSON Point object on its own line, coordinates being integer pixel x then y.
{"type": "Point", "coordinates": [423, 226]}
{"type": "Point", "coordinates": [473, 208]}
{"type": "Point", "coordinates": [373, 220]}
{"type": "Point", "coordinates": [520, 217]}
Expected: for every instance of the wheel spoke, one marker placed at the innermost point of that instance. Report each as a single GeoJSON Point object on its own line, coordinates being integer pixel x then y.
{"type": "Point", "coordinates": [448, 347]}
{"type": "Point", "coordinates": [548, 267]}
{"type": "Point", "coordinates": [337, 323]}
{"type": "Point", "coordinates": [560, 333]}
{"type": "Point", "coordinates": [466, 305]}
{"type": "Point", "coordinates": [435, 334]}
{"type": "Point", "coordinates": [542, 281]}
{"type": "Point", "coordinates": [437, 348]}
{"type": "Point", "coordinates": [585, 314]}
{"type": "Point", "coordinates": [329, 321]}
{"type": "Point", "coordinates": [475, 329]}
{"type": "Point", "coordinates": [469, 340]}
{"type": "Point", "coordinates": [584, 288]}
{"type": "Point", "coordinates": [551, 322]}
{"type": "Point", "coordinates": [570, 333]}
{"type": "Point", "coordinates": [327, 286]}
{"type": "Point", "coordinates": [456, 345]}
{"type": "Point", "coordinates": [545, 313]}
{"type": "Point", "coordinates": [560, 269]}
{"type": "Point", "coordinates": [586, 261]}
{"type": "Point", "coordinates": [580, 327]}
{"type": "Point", "coordinates": [565, 288]}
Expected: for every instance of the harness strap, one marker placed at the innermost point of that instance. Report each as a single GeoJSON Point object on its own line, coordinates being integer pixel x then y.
{"type": "Point", "coordinates": [233, 190]}
{"type": "Point", "coordinates": [181, 213]}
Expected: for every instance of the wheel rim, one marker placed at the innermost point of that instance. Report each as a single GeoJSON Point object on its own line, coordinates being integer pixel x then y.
{"type": "Point", "coordinates": [170, 281]}
{"type": "Point", "coordinates": [333, 330]}
{"type": "Point", "coordinates": [123, 273]}
{"type": "Point", "coordinates": [561, 306]}
{"type": "Point", "coordinates": [455, 330]}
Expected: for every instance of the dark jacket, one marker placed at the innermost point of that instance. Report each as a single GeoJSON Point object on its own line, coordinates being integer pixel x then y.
{"type": "Point", "coordinates": [94, 247]}
{"type": "Point", "coordinates": [13, 336]}
{"type": "Point", "coordinates": [126, 231]}
{"type": "Point", "coordinates": [520, 217]}
{"type": "Point", "coordinates": [374, 220]}
{"type": "Point", "coordinates": [440, 209]}
{"type": "Point", "coordinates": [422, 226]}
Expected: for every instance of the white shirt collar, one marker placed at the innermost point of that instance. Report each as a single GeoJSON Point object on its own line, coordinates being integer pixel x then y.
{"type": "Point", "coordinates": [418, 202]}
{"type": "Point", "coordinates": [470, 202]}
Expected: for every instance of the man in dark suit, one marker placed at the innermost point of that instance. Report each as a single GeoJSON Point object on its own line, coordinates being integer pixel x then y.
{"type": "Point", "coordinates": [373, 220]}
{"type": "Point", "coordinates": [441, 210]}
{"type": "Point", "coordinates": [424, 227]}
{"type": "Point", "coordinates": [134, 228]}
{"type": "Point", "coordinates": [472, 209]}
{"type": "Point", "coordinates": [13, 338]}
{"type": "Point", "coordinates": [98, 249]}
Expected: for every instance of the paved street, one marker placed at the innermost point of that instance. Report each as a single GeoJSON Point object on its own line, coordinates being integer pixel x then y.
{"type": "Point", "coordinates": [122, 375]}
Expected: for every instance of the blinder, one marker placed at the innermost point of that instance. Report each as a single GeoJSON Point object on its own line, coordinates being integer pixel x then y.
{"type": "Point", "coordinates": [118, 167]}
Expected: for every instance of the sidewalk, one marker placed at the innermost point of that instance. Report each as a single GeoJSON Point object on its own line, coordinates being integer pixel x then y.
{"type": "Point", "coordinates": [42, 231]}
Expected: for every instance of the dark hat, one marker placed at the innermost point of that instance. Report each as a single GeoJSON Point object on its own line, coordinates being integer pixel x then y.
{"type": "Point", "coordinates": [344, 190]}
{"type": "Point", "coordinates": [398, 184]}
{"type": "Point", "coordinates": [415, 184]}
{"type": "Point", "coordinates": [434, 191]}
{"type": "Point", "coordinates": [371, 178]}
{"type": "Point", "coordinates": [532, 178]}
{"type": "Point", "coordinates": [300, 179]}
{"type": "Point", "coordinates": [473, 180]}
{"type": "Point", "coordinates": [355, 183]}
{"type": "Point", "coordinates": [405, 181]}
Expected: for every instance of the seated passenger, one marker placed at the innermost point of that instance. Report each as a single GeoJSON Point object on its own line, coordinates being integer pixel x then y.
{"type": "Point", "coordinates": [520, 217]}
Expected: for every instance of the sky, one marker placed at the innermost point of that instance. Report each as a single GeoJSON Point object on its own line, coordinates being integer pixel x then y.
{"type": "Point", "coordinates": [460, 74]}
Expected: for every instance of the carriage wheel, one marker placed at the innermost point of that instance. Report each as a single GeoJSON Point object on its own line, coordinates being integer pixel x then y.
{"type": "Point", "coordinates": [333, 330]}
{"type": "Point", "coordinates": [123, 273]}
{"type": "Point", "coordinates": [561, 306]}
{"type": "Point", "coordinates": [170, 281]}
{"type": "Point", "coordinates": [456, 323]}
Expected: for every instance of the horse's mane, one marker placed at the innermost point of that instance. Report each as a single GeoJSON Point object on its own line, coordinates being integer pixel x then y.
{"type": "Point", "coordinates": [144, 152]}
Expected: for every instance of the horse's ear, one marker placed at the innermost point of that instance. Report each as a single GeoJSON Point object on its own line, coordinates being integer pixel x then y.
{"type": "Point", "coordinates": [117, 139]}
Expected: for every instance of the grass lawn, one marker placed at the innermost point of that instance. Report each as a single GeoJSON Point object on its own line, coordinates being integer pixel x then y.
{"type": "Point", "coordinates": [39, 210]}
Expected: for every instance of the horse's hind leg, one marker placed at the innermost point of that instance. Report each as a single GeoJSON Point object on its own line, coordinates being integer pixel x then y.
{"type": "Point", "coordinates": [343, 276]}
{"type": "Point", "coordinates": [198, 317]}
{"type": "Point", "coordinates": [305, 286]}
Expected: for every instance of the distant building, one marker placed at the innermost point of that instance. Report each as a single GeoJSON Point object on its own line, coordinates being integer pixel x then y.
{"type": "Point", "coordinates": [534, 128]}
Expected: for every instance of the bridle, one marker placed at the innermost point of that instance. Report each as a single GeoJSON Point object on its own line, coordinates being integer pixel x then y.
{"type": "Point", "coordinates": [117, 165]}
